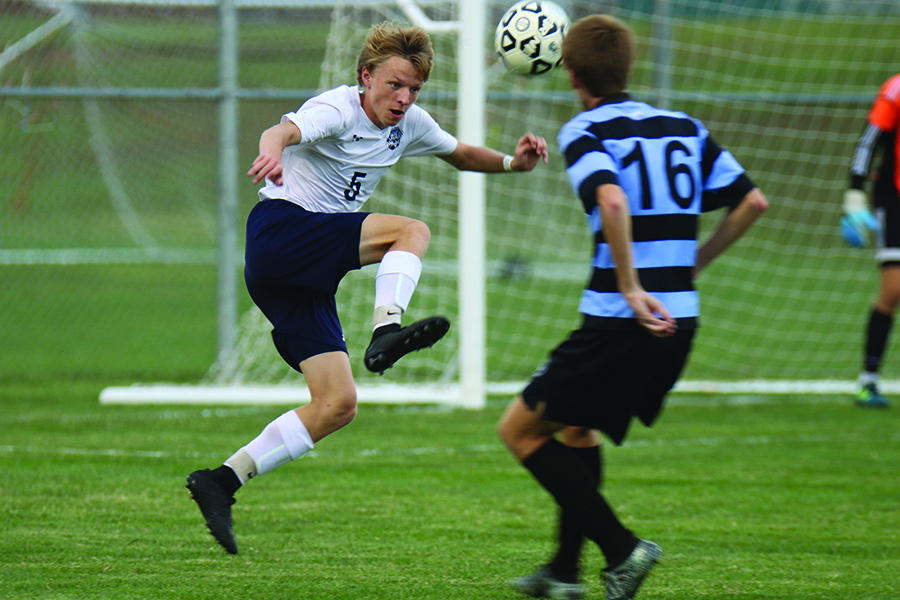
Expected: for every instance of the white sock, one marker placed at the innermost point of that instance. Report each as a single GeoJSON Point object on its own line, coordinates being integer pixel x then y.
{"type": "Point", "coordinates": [283, 440]}
{"type": "Point", "coordinates": [396, 280]}
{"type": "Point", "coordinates": [865, 378]}
{"type": "Point", "coordinates": [243, 466]}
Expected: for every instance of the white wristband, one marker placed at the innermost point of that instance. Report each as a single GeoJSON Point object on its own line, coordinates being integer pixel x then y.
{"type": "Point", "coordinates": [507, 163]}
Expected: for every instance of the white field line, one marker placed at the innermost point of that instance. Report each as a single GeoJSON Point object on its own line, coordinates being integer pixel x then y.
{"type": "Point", "coordinates": [150, 415]}
{"type": "Point", "coordinates": [273, 409]}
{"type": "Point", "coordinates": [163, 414]}
{"type": "Point", "coordinates": [740, 392]}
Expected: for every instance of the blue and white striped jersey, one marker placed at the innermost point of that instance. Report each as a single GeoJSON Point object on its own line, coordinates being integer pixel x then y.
{"type": "Point", "coordinates": [671, 170]}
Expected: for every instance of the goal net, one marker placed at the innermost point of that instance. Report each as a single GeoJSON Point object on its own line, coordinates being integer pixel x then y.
{"type": "Point", "coordinates": [785, 85]}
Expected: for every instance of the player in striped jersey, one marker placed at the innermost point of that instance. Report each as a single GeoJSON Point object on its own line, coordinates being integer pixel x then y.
{"type": "Point", "coordinates": [643, 176]}
{"type": "Point", "coordinates": [320, 164]}
{"type": "Point", "coordinates": [858, 221]}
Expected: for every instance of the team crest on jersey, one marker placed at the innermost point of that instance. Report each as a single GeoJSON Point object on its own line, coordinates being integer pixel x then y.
{"type": "Point", "coordinates": [393, 139]}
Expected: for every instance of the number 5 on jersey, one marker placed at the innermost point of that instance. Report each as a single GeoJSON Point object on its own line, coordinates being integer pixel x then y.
{"type": "Point", "coordinates": [355, 183]}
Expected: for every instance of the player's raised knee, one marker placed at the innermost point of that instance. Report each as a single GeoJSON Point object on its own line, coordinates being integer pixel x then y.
{"type": "Point", "coordinates": [418, 233]}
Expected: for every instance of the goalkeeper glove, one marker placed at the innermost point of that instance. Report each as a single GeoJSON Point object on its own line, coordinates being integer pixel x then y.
{"type": "Point", "coordinates": [857, 220]}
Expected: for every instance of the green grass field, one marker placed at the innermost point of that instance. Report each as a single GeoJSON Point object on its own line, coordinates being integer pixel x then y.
{"type": "Point", "coordinates": [769, 498]}
{"type": "Point", "coordinates": [756, 497]}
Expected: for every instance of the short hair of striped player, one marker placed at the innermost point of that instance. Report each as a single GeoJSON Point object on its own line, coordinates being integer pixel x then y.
{"type": "Point", "coordinates": [599, 50]}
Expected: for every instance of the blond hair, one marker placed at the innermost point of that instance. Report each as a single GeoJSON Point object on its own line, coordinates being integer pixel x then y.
{"type": "Point", "coordinates": [599, 50]}
{"type": "Point", "coordinates": [387, 40]}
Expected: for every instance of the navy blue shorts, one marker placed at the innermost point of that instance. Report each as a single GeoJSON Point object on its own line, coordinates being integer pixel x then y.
{"type": "Point", "coordinates": [294, 261]}
{"type": "Point", "coordinates": [601, 379]}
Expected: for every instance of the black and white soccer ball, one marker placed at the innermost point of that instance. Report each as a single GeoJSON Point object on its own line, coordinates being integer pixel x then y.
{"type": "Point", "coordinates": [529, 37]}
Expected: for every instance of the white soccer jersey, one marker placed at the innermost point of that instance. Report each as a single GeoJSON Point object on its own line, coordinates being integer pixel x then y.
{"type": "Point", "coordinates": [342, 155]}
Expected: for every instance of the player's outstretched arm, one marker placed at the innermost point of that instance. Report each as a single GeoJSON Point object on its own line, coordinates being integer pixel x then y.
{"type": "Point", "coordinates": [651, 313]}
{"type": "Point", "coordinates": [731, 228]}
{"type": "Point", "coordinates": [272, 143]}
{"type": "Point", "coordinates": [530, 150]}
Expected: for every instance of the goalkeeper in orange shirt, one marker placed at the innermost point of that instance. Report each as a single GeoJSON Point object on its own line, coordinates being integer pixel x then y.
{"type": "Point", "coordinates": [858, 221]}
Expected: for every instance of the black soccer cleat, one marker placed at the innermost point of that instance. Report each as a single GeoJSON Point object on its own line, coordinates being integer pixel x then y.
{"type": "Point", "coordinates": [215, 505]}
{"type": "Point", "coordinates": [623, 581]}
{"type": "Point", "coordinates": [542, 584]}
{"type": "Point", "coordinates": [388, 348]}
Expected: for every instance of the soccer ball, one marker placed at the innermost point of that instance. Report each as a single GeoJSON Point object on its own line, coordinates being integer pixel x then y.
{"type": "Point", "coordinates": [529, 37]}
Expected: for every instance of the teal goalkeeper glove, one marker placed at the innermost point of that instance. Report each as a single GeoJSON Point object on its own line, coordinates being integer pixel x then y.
{"type": "Point", "coordinates": [857, 220]}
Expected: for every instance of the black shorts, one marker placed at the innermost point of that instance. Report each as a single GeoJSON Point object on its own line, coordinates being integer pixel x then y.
{"type": "Point", "coordinates": [887, 240]}
{"type": "Point", "coordinates": [294, 261]}
{"type": "Point", "coordinates": [600, 379]}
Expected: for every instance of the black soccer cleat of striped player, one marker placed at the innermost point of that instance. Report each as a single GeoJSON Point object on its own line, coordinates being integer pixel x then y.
{"type": "Point", "coordinates": [390, 343]}
{"type": "Point", "coordinates": [215, 504]}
